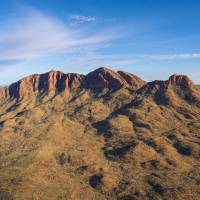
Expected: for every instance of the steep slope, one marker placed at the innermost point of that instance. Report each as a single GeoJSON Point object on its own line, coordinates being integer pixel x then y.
{"type": "Point", "coordinates": [37, 84]}
{"type": "Point", "coordinates": [172, 91]}
{"type": "Point", "coordinates": [113, 136]}
{"type": "Point", "coordinates": [107, 78]}
{"type": "Point", "coordinates": [59, 81]}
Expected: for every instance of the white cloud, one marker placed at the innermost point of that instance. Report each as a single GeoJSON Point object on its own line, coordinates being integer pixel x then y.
{"type": "Point", "coordinates": [128, 59]}
{"type": "Point", "coordinates": [91, 58]}
{"type": "Point", "coordinates": [82, 19]}
{"type": "Point", "coordinates": [172, 56]}
{"type": "Point", "coordinates": [34, 34]}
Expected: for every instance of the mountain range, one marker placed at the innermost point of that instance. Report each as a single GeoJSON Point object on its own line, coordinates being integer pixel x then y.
{"type": "Point", "coordinates": [104, 135]}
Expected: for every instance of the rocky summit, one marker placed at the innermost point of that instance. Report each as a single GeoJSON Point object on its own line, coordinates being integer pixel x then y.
{"type": "Point", "coordinates": [59, 81]}
{"type": "Point", "coordinates": [106, 135]}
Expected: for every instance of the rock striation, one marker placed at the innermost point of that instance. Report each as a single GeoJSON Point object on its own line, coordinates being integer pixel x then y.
{"type": "Point", "coordinates": [36, 84]}
{"type": "Point", "coordinates": [56, 80]}
{"type": "Point", "coordinates": [180, 80]}
{"type": "Point", "coordinates": [98, 79]}
{"type": "Point", "coordinates": [107, 78]}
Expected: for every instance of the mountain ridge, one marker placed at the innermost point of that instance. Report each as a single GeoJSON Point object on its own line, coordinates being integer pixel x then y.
{"type": "Point", "coordinates": [99, 78]}
{"type": "Point", "coordinates": [103, 138]}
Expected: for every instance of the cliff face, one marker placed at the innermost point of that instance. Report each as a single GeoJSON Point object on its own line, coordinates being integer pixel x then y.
{"type": "Point", "coordinates": [107, 78]}
{"type": "Point", "coordinates": [180, 80]}
{"type": "Point", "coordinates": [56, 80]}
{"type": "Point", "coordinates": [172, 91]}
{"type": "Point", "coordinates": [97, 79]}
{"type": "Point", "coordinates": [35, 84]}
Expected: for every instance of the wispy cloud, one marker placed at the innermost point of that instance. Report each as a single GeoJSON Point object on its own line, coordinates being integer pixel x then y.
{"type": "Point", "coordinates": [94, 59]}
{"type": "Point", "coordinates": [35, 34]}
{"type": "Point", "coordinates": [82, 18]}
{"type": "Point", "coordinates": [133, 58]}
{"type": "Point", "coordinates": [172, 56]}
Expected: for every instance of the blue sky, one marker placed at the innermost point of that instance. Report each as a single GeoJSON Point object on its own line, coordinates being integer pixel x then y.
{"type": "Point", "coordinates": [150, 38]}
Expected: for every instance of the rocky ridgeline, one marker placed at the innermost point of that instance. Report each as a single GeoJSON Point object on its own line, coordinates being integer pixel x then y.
{"type": "Point", "coordinates": [56, 80]}
{"type": "Point", "coordinates": [100, 78]}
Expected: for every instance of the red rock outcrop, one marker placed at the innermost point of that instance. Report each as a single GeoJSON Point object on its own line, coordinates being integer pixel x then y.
{"type": "Point", "coordinates": [35, 84]}
{"type": "Point", "coordinates": [100, 78]}
{"type": "Point", "coordinates": [172, 91]}
{"type": "Point", "coordinates": [132, 80]}
{"type": "Point", "coordinates": [180, 80]}
{"type": "Point", "coordinates": [4, 93]}
{"type": "Point", "coordinates": [104, 78]}
{"type": "Point", "coordinates": [174, 80]}
{"type": "Point", "coordinates": [107, 78]}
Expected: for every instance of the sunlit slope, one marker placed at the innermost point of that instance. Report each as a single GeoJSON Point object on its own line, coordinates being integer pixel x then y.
{"type": "Point", "coordinates": [102, 143]}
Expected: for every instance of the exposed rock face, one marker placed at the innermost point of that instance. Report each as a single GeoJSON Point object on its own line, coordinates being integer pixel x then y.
{"type": "Point", "coordinates": [174, 80]}
{"type": "Point", "coordinates": [104, 77]}
{"type": "Point", "coordinates": [4, 93]}
{"type": "Point", "coordinates": [180, 80]}
{"type": "Point", "coordinates": [132, 80]}
{"type": "Point", "coordinates": [56, 80]}
{"type": "Point", "coordinates": [171, 91]}
{"type": "Point", "coordinates": [35, 84]}
{"type": "Point", "coordinates": [99, 78]}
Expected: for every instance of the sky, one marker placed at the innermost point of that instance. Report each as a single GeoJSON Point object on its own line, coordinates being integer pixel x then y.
{"type": "Point", "coordinates": [150, 38]}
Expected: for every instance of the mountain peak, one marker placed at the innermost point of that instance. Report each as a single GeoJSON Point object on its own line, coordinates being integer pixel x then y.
{"type": "Point", "coordinates": [131, 79]}
{"type": "Point", "coordinates": [180, 80]}
{"type": "Point", "coordinates": [100, 78]}
{"type": "Point", "coordinates": [59, 81]}
{"type": "Point", "coordinates": [105, 77]}
{"type": "Point", "coordinates": [39, 83]}
{"type": "Point", "coordinates": [103, 69]}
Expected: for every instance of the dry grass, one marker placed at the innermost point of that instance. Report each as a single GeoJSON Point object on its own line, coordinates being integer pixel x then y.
{"type": "Point", "coordinates": [103, 145]}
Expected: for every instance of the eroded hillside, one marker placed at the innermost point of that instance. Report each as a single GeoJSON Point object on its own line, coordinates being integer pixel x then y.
{"type": "Point", "coordinates": [106, 135]}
